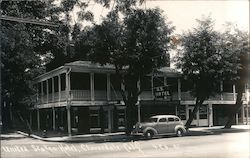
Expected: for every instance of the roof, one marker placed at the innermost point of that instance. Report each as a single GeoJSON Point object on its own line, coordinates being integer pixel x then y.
{"type": "Point", "coordinates": [89, 64]}
{"type": "Point", "coordinates": [88, 67]}
{"type": "Point", "coordinates": [164, 116]}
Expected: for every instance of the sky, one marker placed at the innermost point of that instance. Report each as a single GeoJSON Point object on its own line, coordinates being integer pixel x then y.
{"type": "Point", "coordinates": [183, 13]}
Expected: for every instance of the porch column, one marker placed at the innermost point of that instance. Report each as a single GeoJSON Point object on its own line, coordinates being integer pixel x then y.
{"type": "Point", "coordinates": [108, 87]}
{"type": "Point", "coordinates": [53, 89]}
{"type": "Point", "coordinates": [42, 93]}
{"type": "Point", "coordinates": [59, 88]}
{"type": "Point", "coordinates": [152, 85]}
{"type": "Point", "coordinates": [234, 92]}
{"type": "Point", "coordinates": [54, 118]}
{"type": "Point", "coordinates": [221, 89]}
{"type": "Point", "coordinates": [210, 115]}
{"type": "Point", "coordinates": [179, 89]}
{"type": "Point", "coordinates": [92, 86]}
{"type": "Point", "coordinates": [247, 113]}
{"type": "Point", "coordinates": [165, 84]}
{"type": "Point", "coordinates": [187, 112]}
{"type": "Point", "coordinates": [38, 120]}
{"type": "Point", "coordinates": [47, 89]}
{"type": "Point", "coordinates": [139, 104]}
{"type": "Point", "coordinates": [31, 118]}
{"type": "Point", "coordinates": [67, 78]}
{"type": "Point", "coordinates": [247, 101]}
{"type": "Point", "coordinates": [243, 113]}
{"type": "Point", "coordinates": [237, 118]}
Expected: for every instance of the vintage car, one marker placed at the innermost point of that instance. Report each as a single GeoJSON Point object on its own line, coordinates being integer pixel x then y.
{"type": "Point", "coordinates": [160, 125]}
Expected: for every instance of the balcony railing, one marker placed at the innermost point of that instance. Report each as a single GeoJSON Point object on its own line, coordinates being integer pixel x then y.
{"type": "Point", "coordinates": [85, 95]}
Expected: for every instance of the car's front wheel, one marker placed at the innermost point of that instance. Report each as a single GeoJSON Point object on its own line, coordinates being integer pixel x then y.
{"type": "Point", "coordinates": [149, 134]}
{"type": "Point", "coordinates": [179, 132]}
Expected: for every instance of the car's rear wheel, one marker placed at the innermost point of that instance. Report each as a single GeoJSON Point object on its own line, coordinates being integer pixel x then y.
{"type": "Point", "coordinates": [149, 134]}
{"type": "Point", "coordinates": [179, 132]}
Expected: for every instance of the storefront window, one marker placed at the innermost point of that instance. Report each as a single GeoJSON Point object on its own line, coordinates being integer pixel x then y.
{"type": "Point", "coordinates": [203, 112]}
{"type": "Point", "coordinates": [182, 112]}
{"type": "Point", "coordinates": [121, 119]}
{"type": "Point", "coordinates": [94, 118]}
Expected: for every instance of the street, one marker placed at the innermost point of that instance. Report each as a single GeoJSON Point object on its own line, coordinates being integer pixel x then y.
{"type": "Point", "coordinates": [231, 144]}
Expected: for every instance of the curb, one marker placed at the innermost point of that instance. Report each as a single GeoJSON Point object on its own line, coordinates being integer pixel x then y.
{"type": "Point", "coordinates": [87, 138]}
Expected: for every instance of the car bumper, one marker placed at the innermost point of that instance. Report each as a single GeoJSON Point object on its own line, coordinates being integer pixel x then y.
{"type": "Point", "coordinates": [137, 133]}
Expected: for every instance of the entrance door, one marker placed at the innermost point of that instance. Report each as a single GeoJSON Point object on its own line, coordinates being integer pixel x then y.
{"type": "Point", "coordinates": [108, 119]}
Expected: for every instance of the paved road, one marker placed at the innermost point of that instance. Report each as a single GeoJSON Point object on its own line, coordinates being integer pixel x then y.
{"type": "Point", "coordinates": [231, 145]}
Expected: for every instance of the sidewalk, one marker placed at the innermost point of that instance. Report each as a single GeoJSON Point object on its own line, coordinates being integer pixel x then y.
{"type": "Point", "coordinates": [196, 131]}
{"type": "Point", "coordinates": [81, 138]}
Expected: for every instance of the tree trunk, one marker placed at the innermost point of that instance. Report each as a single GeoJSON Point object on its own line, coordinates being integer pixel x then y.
{"type": "Point", "coordinates": [130, 116]}
{"type": "Point", "coordinates": [237, 107]}
{"type": "Point", "coordinates": [196, 108]}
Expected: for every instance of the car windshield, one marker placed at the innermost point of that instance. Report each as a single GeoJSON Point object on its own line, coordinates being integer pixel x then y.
{"type": "Point", "coordinates": [152, 119]}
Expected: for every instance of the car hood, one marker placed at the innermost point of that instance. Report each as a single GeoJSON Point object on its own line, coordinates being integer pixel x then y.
{"type": "Point", "coordinates": [146, 123]}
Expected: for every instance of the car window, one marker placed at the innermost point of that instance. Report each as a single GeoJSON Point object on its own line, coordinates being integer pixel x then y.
{"type": "Point", "coordinates": [170, 119]}
{"type": "Point", "coordinates": [176, 119]}
{"type": "Point", "coordinates": [152, 119]}
{"type": "Point", "coordinates": [163, 120]}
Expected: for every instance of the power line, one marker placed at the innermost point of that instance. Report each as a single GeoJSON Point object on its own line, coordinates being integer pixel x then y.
{"type": "Point", "coordinates": [30, 21]}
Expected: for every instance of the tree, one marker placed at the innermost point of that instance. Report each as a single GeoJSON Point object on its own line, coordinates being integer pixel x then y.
{"type": "Point", "coordinates": [205, 61]}
{"type": "Point", "coordinates": [20, 56]}
{"type": "Point", "coordinates": [238, 46]}
{"type": "Point", "coordinates": [130, 44]}
{"type": "Point", "coordinates": [27, 48]}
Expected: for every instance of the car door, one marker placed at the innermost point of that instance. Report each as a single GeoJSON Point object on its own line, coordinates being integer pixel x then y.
{"type": "Point", "coordinates": [171, 124]}
{"type": "Point", "coordinates": [162, 125]}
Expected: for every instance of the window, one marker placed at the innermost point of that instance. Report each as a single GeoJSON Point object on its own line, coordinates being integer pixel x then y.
{"type": "Point", "coordinates": [121, 118]}
{"type": "Point", "coordinates": [63, 81]}
{"type": "Point", "coordinates": [158, 81]}
{"type": "Point", "coordinates": [152, 120]}
{"type": "Point", "coordinates": [182, 112]}
{"type": "Point", "coordinates": [177, 120]}
{"type": "Point", "coordinates": [163, 120]}
{"type": "Point", "coordinates": [94, 118]}
{"type": "Point", "coordinates": [100, 81]}
{"type": "Point", "coordinates": [44, 88]}
{"type": "Point", "coordinates": [203, 112]}
{"type": "Point", "coordinates": [115, 83]}
{"type": "Point", "coordinates": [56, 83]}
{"type": "Point", "coordinates": [50, 85]}
{"type": "Point", "coordinates": [170, 119]}
{"type": "Point", "coordinates": [227, 87]}
{"type": "Point", "coordinates": [80, 81]}
{"type": "Point", "coordinates": [173, 83]}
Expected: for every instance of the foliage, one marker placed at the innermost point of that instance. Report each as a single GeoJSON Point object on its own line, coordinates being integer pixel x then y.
{"type": "Point", "coordinates": [135, 44]}
{"type": "Point", "coordinates": [208, 57]}
{"type": "Point", "coordinates": [20, 43]}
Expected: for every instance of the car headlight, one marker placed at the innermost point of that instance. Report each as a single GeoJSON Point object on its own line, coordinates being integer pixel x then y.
{"type": "Point", "coordinates": [140, 126]}
{"type": "Point", "coordinates": [134, 126]}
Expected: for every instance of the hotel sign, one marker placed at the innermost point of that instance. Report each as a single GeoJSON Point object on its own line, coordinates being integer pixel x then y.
{"type": "Point", "coordinates": [161, 92]}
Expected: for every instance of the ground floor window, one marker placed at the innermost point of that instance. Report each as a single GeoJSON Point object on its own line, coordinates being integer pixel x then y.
{"type": "Point", "coordinates": [94, 119]}
{"type": "Point", "coordinates": [121, 119]}
{"type": "Point", "coordinates": [182, 112]}
{"type": "Point", "coordinates": [203, 112]}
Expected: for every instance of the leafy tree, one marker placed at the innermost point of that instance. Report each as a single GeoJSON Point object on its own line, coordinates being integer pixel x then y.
{"type": "Point", "coordinates": [130, 44]}
{"type": "Point", "coordinates": [205, 61]}
{"type": "Point", "coordinates": [26, 47]}
{"type": "Point", "coordinates": [238, 46]}
{"type": "Point", "coordinates": [20, 56]}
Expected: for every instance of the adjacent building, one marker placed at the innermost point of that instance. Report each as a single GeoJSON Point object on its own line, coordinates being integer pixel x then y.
{"type": "Point", "coordinates": [83, 97]}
